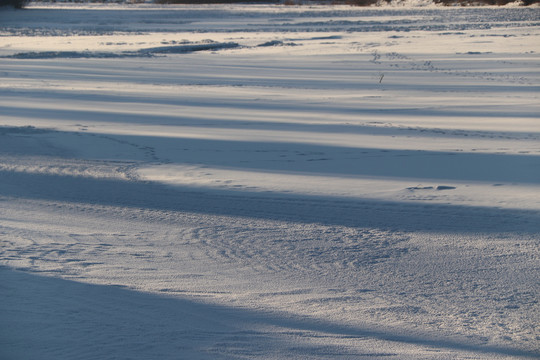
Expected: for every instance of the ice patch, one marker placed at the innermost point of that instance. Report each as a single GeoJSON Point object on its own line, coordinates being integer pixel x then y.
{"type": "Point", "coordinates": [276, 43]}
{"type": "Point", "coordinates": [445, 187]}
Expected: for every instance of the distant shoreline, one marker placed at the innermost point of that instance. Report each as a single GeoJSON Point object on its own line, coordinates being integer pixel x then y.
{"type": "Point", "coordinates": [366, 3]}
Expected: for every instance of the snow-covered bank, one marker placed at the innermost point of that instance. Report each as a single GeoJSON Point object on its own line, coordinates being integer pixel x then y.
{"type": "Point", "coordinates": [126, 322]}
{"type": "Point", "coordinates": [340, 183]}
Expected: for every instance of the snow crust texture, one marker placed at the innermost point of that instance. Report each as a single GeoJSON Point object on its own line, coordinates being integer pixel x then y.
{"type": "Point", "coordinates": [269, 182]}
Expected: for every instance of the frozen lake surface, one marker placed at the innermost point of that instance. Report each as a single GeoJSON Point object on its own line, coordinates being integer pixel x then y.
{"type": "Point", "coordinates": [269, 182]}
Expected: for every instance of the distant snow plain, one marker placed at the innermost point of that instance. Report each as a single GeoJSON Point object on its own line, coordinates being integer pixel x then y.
{"type": "Point", "coordinates": [269, 182]}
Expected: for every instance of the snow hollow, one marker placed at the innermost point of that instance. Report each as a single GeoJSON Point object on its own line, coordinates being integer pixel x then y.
{"type": "Point", "coordinates": [269, 182]}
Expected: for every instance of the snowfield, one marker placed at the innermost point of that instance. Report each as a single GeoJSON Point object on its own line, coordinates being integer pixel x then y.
{"type": "Point", "coordinates": [269, 182]}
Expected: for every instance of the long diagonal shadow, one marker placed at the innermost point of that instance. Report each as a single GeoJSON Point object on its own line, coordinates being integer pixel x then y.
{"type": "Point", "coordinates": [389, 215]}
{"type": "Point", "coordinates": [230, 105]}
{"type": "Point", "coordinates": [54, 318]}
{"type": "Point", "coordinates": [323, 159]}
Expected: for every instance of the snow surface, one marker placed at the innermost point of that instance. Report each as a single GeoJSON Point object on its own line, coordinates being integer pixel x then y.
{"type": "Point", "coordinates": [269, 182]}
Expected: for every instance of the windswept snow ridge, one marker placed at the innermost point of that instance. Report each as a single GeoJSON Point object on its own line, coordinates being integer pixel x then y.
{"type": "Point", "coordinates": [176, 49]}
{"type": "Point", "coordinates": [269, 182]}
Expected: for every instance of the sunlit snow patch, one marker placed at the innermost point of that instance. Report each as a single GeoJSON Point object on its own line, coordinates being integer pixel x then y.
{"type": "Point", "coordinates": [243, 182]}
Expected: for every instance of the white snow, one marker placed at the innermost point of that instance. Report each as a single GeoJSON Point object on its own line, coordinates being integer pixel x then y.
{"type": "Point", "coordinates": [269, 182]}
